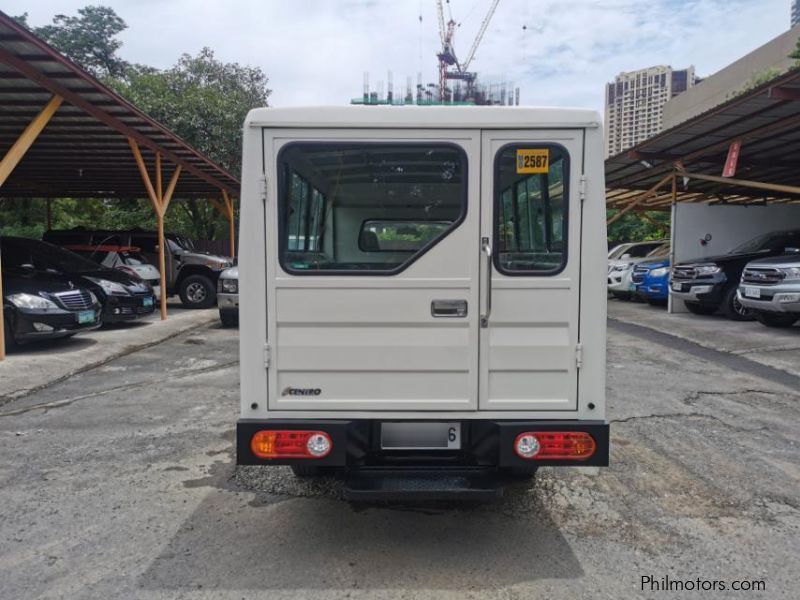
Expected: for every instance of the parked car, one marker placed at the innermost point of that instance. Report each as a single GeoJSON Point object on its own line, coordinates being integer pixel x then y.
{"type": "Point", "coordinates": [620, 270]}
{"type": "Point", "coordinates": [707, 285]}
{"type": "Point", "coordinates": [651, 277]}
{"type": "Point", "coordinates": [190, 273]}
{"type": "Point", "coordinates": [770, 288]}
{"type": "Point", "coordinates": [39, 305]}
{"type": "Point", "coordinates": [228, 296]}
{"type": "Point", "coordinates": [124, 297]}
{"type": "Point", "coordinates": [125, 258]}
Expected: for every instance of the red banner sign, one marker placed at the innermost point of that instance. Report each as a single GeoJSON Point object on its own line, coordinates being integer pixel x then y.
{"type": "Point", "coordinates": [733, 159]}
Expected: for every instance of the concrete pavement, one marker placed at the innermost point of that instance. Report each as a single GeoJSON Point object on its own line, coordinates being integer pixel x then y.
{"type": "Point", "coordinates": [119, 482]}
{"type": "Point", "coordinates": [34, 366]}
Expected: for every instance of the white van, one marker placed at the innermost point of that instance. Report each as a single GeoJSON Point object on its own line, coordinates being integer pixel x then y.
{"type": "Point", "coordinates": [422, 295]}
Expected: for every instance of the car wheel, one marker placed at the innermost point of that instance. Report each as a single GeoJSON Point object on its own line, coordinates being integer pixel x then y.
{"type": "Point", "coordinates": [700, 309]}
{"type": "Point", "coordinates": [775, 320]}
{"type": "Point", "coordinates": [621, 295]}
{"type": "Point", "coordinates": [229, 319]}
{"type": "Point", "coordinates": [733, 308]}
{"type": "Point", "coordinates": [197, 291]}
{"type": "Point", "coordinates": [655, 302]}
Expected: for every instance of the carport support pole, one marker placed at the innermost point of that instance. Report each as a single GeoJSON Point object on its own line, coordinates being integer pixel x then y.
{"type": "Point", "coordinates": [232, 228]}
{"type": "Point", "coordinates": [672, 213]}
{"type": "Point", "coordinates": [7, 165]}
{"type": "Point", "coordinates": [160, 201]}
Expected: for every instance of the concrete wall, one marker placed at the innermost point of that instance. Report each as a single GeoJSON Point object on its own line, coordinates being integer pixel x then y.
{"type": "Point", "coordinates": [728, 227]}
{"type": "Point", "coordinates": [728, 82]}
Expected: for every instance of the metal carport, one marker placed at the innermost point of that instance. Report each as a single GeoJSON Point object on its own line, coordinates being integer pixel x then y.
{"type": "Point", "coordinates": [63, 134]}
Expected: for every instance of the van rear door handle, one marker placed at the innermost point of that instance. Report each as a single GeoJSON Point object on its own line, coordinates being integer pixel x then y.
{"type": "Point", "coordinates": [449, 308]}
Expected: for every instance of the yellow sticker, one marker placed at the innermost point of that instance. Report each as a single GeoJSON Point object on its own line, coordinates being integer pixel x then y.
{"type": "Point", "coordinates": [533, 160]}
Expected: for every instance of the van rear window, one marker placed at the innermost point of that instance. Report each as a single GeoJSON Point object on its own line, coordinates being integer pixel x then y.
{"type": "Point", "coordinates": [531, 209]}
{"type": "Point", "coordinates": [368, 208]}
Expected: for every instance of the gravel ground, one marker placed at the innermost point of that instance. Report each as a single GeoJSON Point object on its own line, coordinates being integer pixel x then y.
{"type": "Point", "coordinates": [119, 483]}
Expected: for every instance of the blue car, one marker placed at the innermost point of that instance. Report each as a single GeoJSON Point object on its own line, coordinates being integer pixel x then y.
{"type": "Point", "coordinates": [651, 278]}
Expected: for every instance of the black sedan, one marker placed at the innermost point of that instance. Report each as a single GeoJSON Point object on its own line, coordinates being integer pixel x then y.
{"type": "Point", "coordinates": [123, 296]}
{"type": "Point", "coordinates": [39, 305]}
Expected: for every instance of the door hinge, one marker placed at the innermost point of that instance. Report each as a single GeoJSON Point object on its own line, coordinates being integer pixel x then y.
{"type": "Point", "coordinates": [579, 356]}
{"type": "Point", "coordinates": [263, 184]}
{"type": "Point", "coordinates": [267, 356]}
{"type": "Point", "coordinates": [582, 188]}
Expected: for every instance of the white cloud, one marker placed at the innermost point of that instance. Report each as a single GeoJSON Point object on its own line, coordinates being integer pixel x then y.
{"type": "Point", "coordinates": [315, 51]}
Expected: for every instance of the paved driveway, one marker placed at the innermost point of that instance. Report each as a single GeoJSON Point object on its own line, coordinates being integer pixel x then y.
{"type": "Point", "coordinates": [119, 483]}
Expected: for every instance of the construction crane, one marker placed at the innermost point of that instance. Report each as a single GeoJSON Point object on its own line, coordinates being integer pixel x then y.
{"type": "Point", "coordinates": [449, 65]}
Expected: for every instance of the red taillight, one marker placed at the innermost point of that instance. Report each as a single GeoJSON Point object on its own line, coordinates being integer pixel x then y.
{"type": "Point", "coordinates": [554, 445]}
{"type": "Point", "coordinates": [291, 444]}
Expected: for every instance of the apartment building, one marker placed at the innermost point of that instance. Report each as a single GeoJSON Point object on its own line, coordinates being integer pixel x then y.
{"type": "Point", "coordinates": [635, 101]}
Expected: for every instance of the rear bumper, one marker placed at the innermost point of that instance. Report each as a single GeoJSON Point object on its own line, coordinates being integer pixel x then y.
{"type": "Point", "coordinates": [484, 444]}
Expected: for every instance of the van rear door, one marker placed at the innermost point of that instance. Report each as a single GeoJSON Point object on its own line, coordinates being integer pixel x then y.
{"type": "Point", "coordinates": [530, 271]}
{"type": "Point", "coordinates": [373, 278]}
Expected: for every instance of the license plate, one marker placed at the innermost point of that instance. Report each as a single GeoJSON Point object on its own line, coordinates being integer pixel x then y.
{"type": "Point", "coordinates": [752, 292]}
{"type": "Point", "coordinates": [86, 316]}
{"type": "Point", "coordinates": [676, 287]}
{"type": "Point", "coordinates": [420, 436]}
{"type": "Point", "coordinates": [147, 302]}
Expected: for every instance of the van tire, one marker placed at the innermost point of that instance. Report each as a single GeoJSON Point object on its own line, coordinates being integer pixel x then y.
{"type": "Point", "coordinates": [229, 319]}
{"type": "Point", "coordinates": [775, 319]}
{"type": "Point", "coordinates": [732, 308]}
{"type": "Point", "coordinates": [700, 309]}
{"type": "Point", "coordinates": [197, 291]}
{"type": "Point", "coordinates": [305, 471]}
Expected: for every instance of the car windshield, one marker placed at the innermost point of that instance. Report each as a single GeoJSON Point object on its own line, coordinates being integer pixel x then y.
{"type": "Point", "coordinates": [774, 240]}
{"type": "Point", "coordinates": [641, 250]}
{"type": "Point", "coordinates": [132, 258]}
{"type": "Point", "coordinates": [617, 251]}
{"type": "Point", "coordinates": [661, 251]}
{"type": "Point", "coordinates": [44, 256]}
{"type": "Point", "coordinates": [181, 242]}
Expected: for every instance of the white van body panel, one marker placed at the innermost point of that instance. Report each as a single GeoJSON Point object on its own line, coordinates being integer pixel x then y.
{"type": "Point", "coordinates": [370, 342]}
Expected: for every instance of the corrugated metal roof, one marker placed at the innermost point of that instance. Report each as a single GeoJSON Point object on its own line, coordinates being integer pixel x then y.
{"type": "Point", "coordinates": [83, 151]}
{"type": "Point", "coordinates": [766, 120]}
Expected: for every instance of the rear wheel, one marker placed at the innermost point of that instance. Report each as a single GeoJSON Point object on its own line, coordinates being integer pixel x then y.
{"type": "Point", "coordinates": [700, 309]}
{"type": "Point", "coordinates": [229, 319]}
{"type": "Point", "coordinates": [197, 291]}
{"type": "Point", "coordinates": [775, 319]}
{"type": "Point", "coordinates": [733, 308]}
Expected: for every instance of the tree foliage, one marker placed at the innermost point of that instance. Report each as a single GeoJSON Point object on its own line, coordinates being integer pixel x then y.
{"type": "Point", "coordinates": [638, 227]}
{"type": "Point", "coordinates": [202, 99]}
{"type": "Point", "coordinates": [88, 39]}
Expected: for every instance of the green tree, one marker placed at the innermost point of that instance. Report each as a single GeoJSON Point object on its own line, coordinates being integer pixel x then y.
{"type": "Point", "coordinates": [638, 227]}
{"type": "Point", "coordinates": [200, 98]}
{"type": "Point", "coordinates": [204, 101]}
{"type": "Point", "coordinates": [88, 39]}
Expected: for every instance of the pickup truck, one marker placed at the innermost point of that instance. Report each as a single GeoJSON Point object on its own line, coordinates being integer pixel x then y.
{"type": "Point", "coordinates": [708, 285]}
{"type": "Point", "coordinates": [770, 288]}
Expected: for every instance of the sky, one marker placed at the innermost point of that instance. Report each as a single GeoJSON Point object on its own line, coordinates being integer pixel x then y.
{"type": "Point", "coordinates": [558, 52]}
